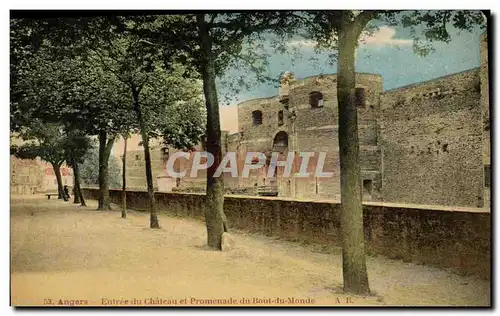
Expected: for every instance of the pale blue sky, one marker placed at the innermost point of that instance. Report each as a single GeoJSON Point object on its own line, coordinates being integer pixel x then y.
{"type": "Point", "coordinates": [388, 53]}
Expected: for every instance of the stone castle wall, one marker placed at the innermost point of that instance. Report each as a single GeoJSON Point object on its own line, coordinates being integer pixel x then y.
{"type": "Point", "coordinates": [136, 170]}
{"type": "Point", "coordinates": [431, 142]}
{"type": "Point", "coordinates": [316, 129]}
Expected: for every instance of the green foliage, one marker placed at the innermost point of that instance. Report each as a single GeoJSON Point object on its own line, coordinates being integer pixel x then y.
{"type": "Point", "coordinates": [28, 151]}
{"type": "Point", "coordinates": [426, 26]}
{"type": "Point", "coordinates": [237, 43]}
{"type": "Point", "coordinates": [79, 71]}
{"type": "Point", "coordinates": [71, 89]}
{"type": "Point", "coordinates": [89, 169]}
{"type": "Point", "coordinates": [431, 26]}
{"type": "Point", "coordinates": [96, 77]}
{"type": "Point", "coordinates": [46, 141]}
{"type": "Point", "coordinates": [76, 145]}
{"type": "Point", "coordinates": [177, 116]}
{"type": "Point", "coordinates": [52, 143]}
{"type": "Point", "coordinates": [169, 97]}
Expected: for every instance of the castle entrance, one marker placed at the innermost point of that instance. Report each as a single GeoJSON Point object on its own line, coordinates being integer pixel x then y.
{"type": "Point", "coordinates": [280, 145]}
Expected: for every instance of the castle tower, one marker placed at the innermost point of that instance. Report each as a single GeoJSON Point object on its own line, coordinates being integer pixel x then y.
{"type": "Point", "coordinates": [312, 102]}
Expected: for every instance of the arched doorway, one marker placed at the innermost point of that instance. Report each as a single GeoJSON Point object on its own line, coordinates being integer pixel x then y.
{"type": "Point", "coordinates": [280, 142]}
{"type": "Point", "coordinates": [280, 145]}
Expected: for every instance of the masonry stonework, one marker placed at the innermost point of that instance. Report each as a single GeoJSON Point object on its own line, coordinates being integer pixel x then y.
{"type": "Point", "coordinates": [431, 142]}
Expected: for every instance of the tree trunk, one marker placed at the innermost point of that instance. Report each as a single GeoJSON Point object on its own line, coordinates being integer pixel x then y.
{"type": "Point", "coordinates": [351, 218]}
{"type": "Point", "coordinates": [153, 216]}
{"type": "Point", "coordinates": [78, 189]}
{"type": "Point", "coordinates": [76, 199]}
{"type": "Point", "coordinates": [102, 148]}
{"type": "Point", "coordinates": [105, 146]}
{"type": "Point", "coordinates": [214, 210]}
{"type": "Point", "coordinates": [57, 171]}
{"type": "Point", "coordinates": [124, 177]}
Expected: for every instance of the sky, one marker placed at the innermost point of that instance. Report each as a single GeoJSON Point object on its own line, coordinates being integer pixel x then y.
{"type": "Point", "coordinates": [387, 52]}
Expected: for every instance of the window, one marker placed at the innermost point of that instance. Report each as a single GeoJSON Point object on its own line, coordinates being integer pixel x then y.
{"type": "Point", "coordinates": [487, 175]}
{"type": "Point", "coordinates": [55, 181]}
{"type": "Point", "coordinates": [257, 118]}
{"type": "Point", "coordinates": [280, 118]}
{"type": "Point", "coordinates": [316, 99]}
{"type": "Point", "coordinates": [359, 97]}
{"type": "Point", "coordinates": [137, 157]}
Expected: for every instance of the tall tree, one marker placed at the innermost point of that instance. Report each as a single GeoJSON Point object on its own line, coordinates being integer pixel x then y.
{"type": "Point", "coordinates": [220, 38]}
{"type": "Point", "coordinates": [127, 58]}
{"type": "Point", "coordinates": [55, 79]}
{"type": "Point", "coordinates": [139, 65]}
{"type": "Point", "coordinates": [214, 211]}
{"type": "Point", "coordinates": [108, 104]}
{"type": "Point", "coordinates": [46, 141]}
{"type": "Point", "coordinates": [341, 30]}
{"type": "Point", "coordinates": [211, 42]}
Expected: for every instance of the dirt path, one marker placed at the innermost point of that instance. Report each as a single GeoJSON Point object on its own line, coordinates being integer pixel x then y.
{"type": "Point", "coordinates": [60, 251]}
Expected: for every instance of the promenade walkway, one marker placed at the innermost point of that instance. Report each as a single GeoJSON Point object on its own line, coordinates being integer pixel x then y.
{"type": "Point", "coordinates": [64, 253]}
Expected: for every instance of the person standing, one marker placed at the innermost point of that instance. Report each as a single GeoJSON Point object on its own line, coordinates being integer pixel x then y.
{"type": "Point", "coordinates": [66, 193]}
